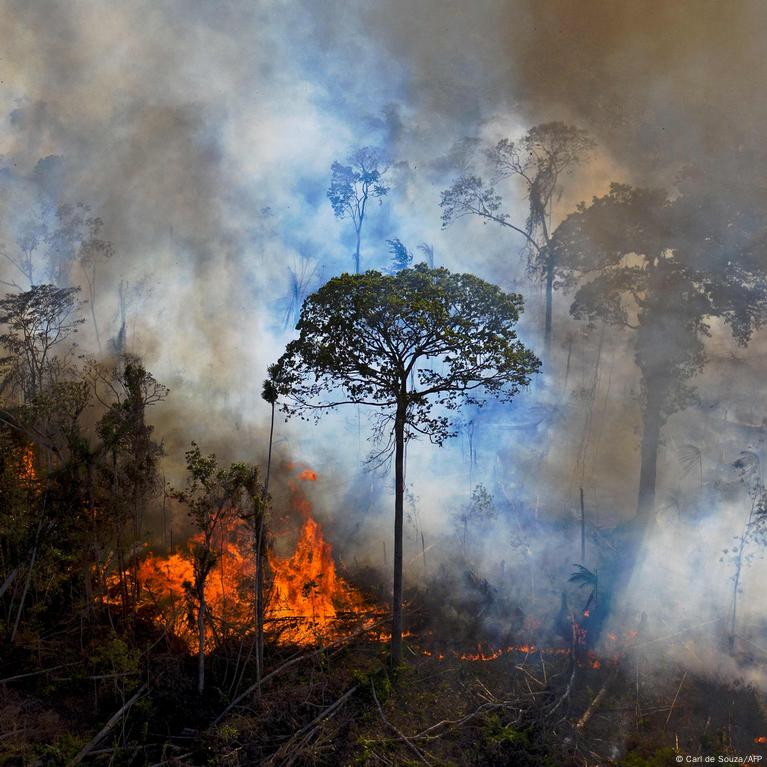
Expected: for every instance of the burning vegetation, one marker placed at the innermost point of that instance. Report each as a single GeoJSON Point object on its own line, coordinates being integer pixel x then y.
{"type": "Point", "coordinates": [308, 602]}
{"type": "Point", "coordinates": [535, 532]}
{"type": "Point", "coordinates": [250, 636]}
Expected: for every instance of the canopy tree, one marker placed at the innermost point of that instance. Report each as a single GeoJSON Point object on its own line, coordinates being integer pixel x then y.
{"type": "Point", "coordinates": [352, 186]}
{"type": "Point", "coordinates": [37, 324]}
{"type": "Point", "coordinates": [416, 346]}
{"type": "Point", "coordinates": [537, 161]}
{"type": "Point", "coordinates": [665, 269]}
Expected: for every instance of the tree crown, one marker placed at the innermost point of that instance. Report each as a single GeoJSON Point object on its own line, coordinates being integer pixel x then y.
{"type": "Point", "coordinates": [417, 339]}
{"type": "Point", "coordinates": [664, 268]}
{"type": "Point", "coordinates": [351, 185]}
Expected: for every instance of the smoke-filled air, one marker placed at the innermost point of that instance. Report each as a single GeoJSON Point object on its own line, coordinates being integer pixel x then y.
{"type": "Point", "coordinates": [381, 383]}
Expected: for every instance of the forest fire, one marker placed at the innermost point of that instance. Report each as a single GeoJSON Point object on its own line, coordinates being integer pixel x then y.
{"type": "Point", "coordinates": [26, 467]}
{"type": "Point", "coordinates": [484, 653]}
{"type": "Point", "coordinates": [305, 597]}
{"type": "Point", "coordinates": [308, 595]}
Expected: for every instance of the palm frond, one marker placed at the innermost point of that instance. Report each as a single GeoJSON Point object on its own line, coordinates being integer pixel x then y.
{"type": "Point", "coordinates": [747, 464]}
{"type": "Point", "coordinates": [428, 251]}
{"type": "Point", "coordinates": [583, 577]}
{"type": "Point", "coordinates": [690, 457]}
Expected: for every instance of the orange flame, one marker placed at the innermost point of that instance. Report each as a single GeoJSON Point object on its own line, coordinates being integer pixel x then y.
{"type": "Point", "coordinates": [305, 602]}
{"type": "Point", "coordinates": [26, 467]}
{"type": "Point", "coordinates": [308, 593]}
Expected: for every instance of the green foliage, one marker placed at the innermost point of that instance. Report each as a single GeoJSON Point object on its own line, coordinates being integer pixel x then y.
{"type": "Point", "coordinates": [38, 323]}
{"type": "Point", "coordinates": [63, 749]}
{"type": "Point", "coordinates": [501, 743]}
{"type": "Point", "coordinates": [114, 656]}
{"type": "Point", "coordinates": [213, 492]}
{"type": "Point", "coordinates": [362, 337]}
{"type": "Point", "coordinates": [379, 677]}
{"type": "Point", "coordinates": [269, 391]}
{"type": "Point", "coordinates": [226, 733]}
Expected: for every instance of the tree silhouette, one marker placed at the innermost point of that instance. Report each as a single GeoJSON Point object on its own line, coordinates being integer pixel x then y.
{"type": "Point", "coordinates": [38, 325]}
{"type": "Point", "coordinates": [538, 160]}
{"type": "Point", "coordinates": [664, 269]}
{"type": "Point", "coordinates": [353, 185]}
{"type": "Point", "coordinates": [401, 257]}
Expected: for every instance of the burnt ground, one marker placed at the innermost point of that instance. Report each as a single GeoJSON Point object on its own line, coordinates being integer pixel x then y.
{"type": "Point", "coordinates": [343, 706]}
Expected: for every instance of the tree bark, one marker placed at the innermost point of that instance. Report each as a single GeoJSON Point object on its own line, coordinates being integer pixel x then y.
{"type": "Point", "coordinates": [201, 642]}
{"type": "Point", "coordinates": [357, 251]}
{"type": "Point", "coordinates": [260, 560]}
{"type": "Point", "coordinates": [399, 502]}
{"type": "Point", "coordinates": [549, 308]}
{"type": "Point", "coordinates": [27, 580]}
{"type": "Point", "coordinates": [649, 456]}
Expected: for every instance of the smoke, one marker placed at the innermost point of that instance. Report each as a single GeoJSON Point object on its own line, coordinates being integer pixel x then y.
{"type": "Point", "coordinates": [203, 135]}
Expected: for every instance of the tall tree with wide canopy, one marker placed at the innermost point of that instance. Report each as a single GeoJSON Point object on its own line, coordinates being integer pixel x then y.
{"type": "Point", "coordinates": [538, 161]}
{"type": "Point", "coordinates": [665, 269]}
{"type": "Point", "coordinates": [415, 346]}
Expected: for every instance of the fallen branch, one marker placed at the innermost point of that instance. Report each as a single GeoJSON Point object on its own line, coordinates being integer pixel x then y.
{"type": "Point", "coordinates": [594, 705]}
{"type": "Point", "coordinates": [453, 723]}
{"type": "Point", "coordinates": [417, 751]}
{"type": "Point", "coordinates": [673, 703]}
{"type": "Point", "coordinates": [301, 738]}
{"type": "Point", "coordinates": [107, 728]}
{"type": "Point", "coordinates": [292, 662]}
{"type": "Point", "coordinates": [172, 760]}
{"type": "Point", "coordinates": [9, 581]}
{"type": "Point", "coordinates": [566, 694]}
{"type": "Point", "coordinates": [598, 698]}
{"type": "Point", "coordinates": [37, 673]}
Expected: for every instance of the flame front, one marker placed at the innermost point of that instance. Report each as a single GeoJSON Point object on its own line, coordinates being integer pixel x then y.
{"type": "Point", "coordinates": [26, 467]}
{"type": "Point", "coordinates": [305, 602]}
{"type": "Point", "coordinates": [308, 594]}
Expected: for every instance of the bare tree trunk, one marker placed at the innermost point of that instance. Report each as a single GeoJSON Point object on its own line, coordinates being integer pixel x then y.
{"type": "Point", "coordinates": [260, 561]}
{"type": "Point", "coordinates": [260, 599]}
{"type": "Point", "coordinates": [549, 309]}
{"type": "Point", "coordinates": [738, 571]}
{"type": "Point", "coordinates": [649, 456]}
{"type": "Point", "coordinates": [357, 251]}
{"type": "Point", "coordinates": [399, 496]}
{"type": "Point", "coordinates": [201, 642]}
{"type": "Point", "coordinates": [27, 580]}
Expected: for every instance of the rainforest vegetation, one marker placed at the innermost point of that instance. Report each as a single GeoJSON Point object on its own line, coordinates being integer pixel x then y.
{"type": "Point", "coordinates": [382, 426]}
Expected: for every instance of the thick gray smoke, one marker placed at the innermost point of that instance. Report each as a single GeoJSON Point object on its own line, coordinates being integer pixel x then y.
{"type": "Point", "coordinates": [202, 134]}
